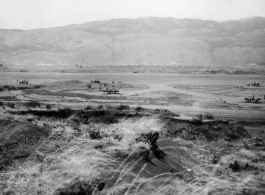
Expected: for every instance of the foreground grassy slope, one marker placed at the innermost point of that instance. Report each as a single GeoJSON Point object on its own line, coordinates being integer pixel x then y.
{"type": "Point", "coordinates": [111, 152]}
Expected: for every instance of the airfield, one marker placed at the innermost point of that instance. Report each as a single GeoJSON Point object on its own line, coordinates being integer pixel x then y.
{"type": "Point", "coordinates": [154, 133]}
{"type": "Point", "coordinates": [222, 95]}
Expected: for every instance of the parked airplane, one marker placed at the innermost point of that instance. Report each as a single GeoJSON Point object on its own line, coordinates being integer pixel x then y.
{"type": "Point", "coordinates": [253, 99]}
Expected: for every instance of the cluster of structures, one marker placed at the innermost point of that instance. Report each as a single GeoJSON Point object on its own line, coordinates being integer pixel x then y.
{"type": "Point", "coordinates": [253, 99]}
{"type": "Point", "coordinates": [110, 91]}
{"type": "Point", "coordinates": [103, 87]}
{"type": "Point", "coordinates": [254, 84]}
{"type": "Point", "coordinates": [23, 82]}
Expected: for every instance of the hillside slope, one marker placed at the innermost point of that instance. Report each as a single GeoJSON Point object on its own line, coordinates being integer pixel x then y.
{"type": "Point", "coordinates": [141, 41]}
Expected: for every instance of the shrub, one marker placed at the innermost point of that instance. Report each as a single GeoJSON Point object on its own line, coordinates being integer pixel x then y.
{"type": "Point", "coordinates": [110, 108]}
{"type": "Point", "coordinates": [6, 87]}
{"type": "Point", "coordinates": [61, 113]}
{"type": "Point", "coordinates": [100, 107]}
{"type": "Point", "coordinates": [208, 116]}
{"type": "Point", "coordinates": [22, 87]}
{"type": "Point", "coordinates": [199, 117]}
{"type": "Point", "coordinates": [94, 135]}
{"type": "Point", "coordinates": [32, 104]}
{"type": "Point", "coordinates": [48, 106]}
{"type": "Point", "coordinates": [10, 104]}
{"type": "Point", "coordinates": [1, 103]}
{"type": "Point", "coordinates": [1, 89]}
{"type": "Point", "coordinates": [138, 108]}
{"type": "Point", "coordinates": [88, 108]}
{"type": "Point", "coordinates": [123, 107]}
{"type": "Point", "coordinates": [234, 166]}
{"type": "Point", "coordinates": [37, 86]}
{"type": "Point", "coordinates": [12, 88]}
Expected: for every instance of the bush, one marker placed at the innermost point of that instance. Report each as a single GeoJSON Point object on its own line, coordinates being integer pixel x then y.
{"type": "Point", "coordinates": [88, 108]}
{"type": "Point", "coordinates": [10, 104]}
{"type": "Point", "coordinates": [138, 108]}
{"type": "Point", "coordinates": [110, 108]}
{"type": "Point", "coordinates": [6, 87]}
{"type": "Point", "coordinates": [12, 88]}
{"type": "Point", "coordinates": [32, 104]}
{"type": "Point", "coordinates": [100, 107]}
{"type": "Point", "coordinates": [1, 103]}
{"type": "Point", "coordinates": [209, 116]}
{"type": "Point", "coordinates": [22, 87]}
{"type": "Point", "coordinates": [37, 86]}
{"type": "Point", "coordinates": [94, 135]}
{"type": "Point", "coordinates": [48, 106]}
{"type": "Point", "coordinates": [1, 89]}
{"type": "Point", "coordinates": [123, 107]}
{"type": "Point", "coordinates": [199, 117]}
{"type": "Point", "coordinates": [234, 166]}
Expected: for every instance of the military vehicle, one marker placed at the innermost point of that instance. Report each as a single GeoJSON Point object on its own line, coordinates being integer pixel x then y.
{"type": "Point", "coordinates": [110, 91]}
{"type": "Point", "coordinates": [115, 91]}
{"type": "Point", "coordinates": [252, 99]}
{"type": "Point", "coordinates": [24, 82]}
{"type": "Point", "coordinates": [95, 81]}
{"type": "Point", "coordinates": [254, 84]}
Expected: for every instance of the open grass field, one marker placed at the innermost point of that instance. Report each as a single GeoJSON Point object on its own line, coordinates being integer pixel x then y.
{"type": "Point", "coordinates": [159, 134]}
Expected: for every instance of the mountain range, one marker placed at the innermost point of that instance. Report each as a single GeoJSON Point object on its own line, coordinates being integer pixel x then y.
{"type": "Point", "coordinates": [141, 41]}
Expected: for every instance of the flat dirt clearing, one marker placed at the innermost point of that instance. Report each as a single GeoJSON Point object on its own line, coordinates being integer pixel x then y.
{"type": "Point", "coordinates": [220, 94]}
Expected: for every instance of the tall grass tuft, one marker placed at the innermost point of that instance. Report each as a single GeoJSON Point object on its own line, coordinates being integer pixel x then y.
{"type": "Point", "coordinates": [56, 170]}
{"type": "Point", "coordinates": [130, 129]}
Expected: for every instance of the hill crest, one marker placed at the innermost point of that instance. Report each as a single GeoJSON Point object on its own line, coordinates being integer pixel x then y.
{"type": "Point", "coordinates": [140, 41]}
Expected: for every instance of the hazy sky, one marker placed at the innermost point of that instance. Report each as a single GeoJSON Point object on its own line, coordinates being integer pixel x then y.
{"type": "Point", "coordinates": [28, 14]}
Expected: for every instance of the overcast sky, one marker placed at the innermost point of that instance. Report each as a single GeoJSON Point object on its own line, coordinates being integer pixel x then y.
{"type": "Point", "coordinates": [29, 14]}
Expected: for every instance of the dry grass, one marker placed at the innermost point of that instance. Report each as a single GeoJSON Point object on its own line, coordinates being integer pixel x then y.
{"type": "Point", "coordinates": [57, 169]}
{"type": "Point", "coordinates": [78, 159]}
{"type": "Point", "coordinates": [130, 129]}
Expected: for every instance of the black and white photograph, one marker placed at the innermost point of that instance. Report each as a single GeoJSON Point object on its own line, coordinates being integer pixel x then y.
{"type": "Point", "coordinates": [132, 97]}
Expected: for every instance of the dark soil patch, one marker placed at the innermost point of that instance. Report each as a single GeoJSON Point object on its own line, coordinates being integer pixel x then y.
{"type": "Point", "coordinates": [85, 116]}
{"type": "Point", "coordinates": [9, 98]}
{"type": "Point", "coordinates": [61, 113]}
{"type": "Point", "coordinates": [208, 131]}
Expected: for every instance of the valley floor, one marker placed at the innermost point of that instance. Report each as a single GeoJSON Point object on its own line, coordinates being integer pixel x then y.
{"type": "Point", "coordinates": [62, 132]}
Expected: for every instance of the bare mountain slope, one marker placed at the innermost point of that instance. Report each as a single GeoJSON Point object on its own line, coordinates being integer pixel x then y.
{"type": "Point", "coordinates": [144, 41]}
